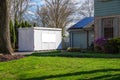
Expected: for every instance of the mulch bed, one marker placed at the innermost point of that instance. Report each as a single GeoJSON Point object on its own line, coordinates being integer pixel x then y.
{"type": "Point", "coordinates": [4, 58]}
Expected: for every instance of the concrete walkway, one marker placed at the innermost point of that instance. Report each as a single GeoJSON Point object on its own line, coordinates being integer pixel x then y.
{"type": "Point", "coordinates": [22, 53]}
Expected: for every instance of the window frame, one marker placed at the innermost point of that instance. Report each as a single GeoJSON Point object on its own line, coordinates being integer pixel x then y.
{"type": "Point", "coordinates": [108, 23]}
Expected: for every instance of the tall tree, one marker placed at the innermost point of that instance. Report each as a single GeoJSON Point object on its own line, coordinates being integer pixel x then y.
{"type": "Point", "coordinates": [18, 9]}
{"type": "Point", "coordinates": [41, 19]}
{"type": "Point", "coordinates": [56, 13]}
{"type": "Point", "coordinates": [87, 8]}
{"type": "Point", "coordinates": [5, 44]}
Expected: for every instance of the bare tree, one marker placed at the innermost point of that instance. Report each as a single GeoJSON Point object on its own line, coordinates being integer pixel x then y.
{"type": "Point", "coordinates": [87, 9]}
{"type": "Point", "coordinates": [18, 9]}
{"type": "Point", "coordinates": [5, 45]}
{"type": "Point", "coordinates": [41, 16]}
{"type": "Point", "coordinates": [56, 13]}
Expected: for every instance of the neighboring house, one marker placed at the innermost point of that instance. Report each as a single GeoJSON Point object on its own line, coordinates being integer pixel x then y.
{"type": "Point", "coordinates": [107, 18]}
{"type": "Point", "coordinates": [82, 33]}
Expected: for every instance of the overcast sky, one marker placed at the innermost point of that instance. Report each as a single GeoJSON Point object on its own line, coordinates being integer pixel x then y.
{"type": "Point", "coordinates": [39, 2]}
{"type": "Point", "coordinates": [35, 3]}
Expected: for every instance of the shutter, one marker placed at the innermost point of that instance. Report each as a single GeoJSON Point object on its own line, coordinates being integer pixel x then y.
{"type": "Point", "coordinates": [116, 27]}
{"type": "Point", "coordinates": [100, 28]}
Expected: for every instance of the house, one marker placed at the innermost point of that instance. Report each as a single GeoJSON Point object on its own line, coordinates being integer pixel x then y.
{"type": "Point", "coordinates": [107, 18]}
{"type": "Point", "coordinates": [81, 34]}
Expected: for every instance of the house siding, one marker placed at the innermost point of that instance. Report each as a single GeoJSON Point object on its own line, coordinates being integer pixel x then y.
{"type": "Point", "coordinates": [119, 26]}
{"type": "Point", "coordinates": [98, 26]}
{"type": "Point", "coordinates": [109, 8]}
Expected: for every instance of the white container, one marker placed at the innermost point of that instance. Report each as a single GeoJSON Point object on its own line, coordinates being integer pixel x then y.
{"type": "Point", "coordinates": [39, 38]}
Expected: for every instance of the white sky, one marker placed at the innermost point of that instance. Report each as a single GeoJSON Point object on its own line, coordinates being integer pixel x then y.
{"type": "Point", "coordinates": [40, 2]}
{"type": "Point", "coordinates": [31, 11]}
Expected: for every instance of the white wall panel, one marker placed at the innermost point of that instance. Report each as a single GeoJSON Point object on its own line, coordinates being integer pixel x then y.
{"type": "Point", "coordinates": [39, 38]}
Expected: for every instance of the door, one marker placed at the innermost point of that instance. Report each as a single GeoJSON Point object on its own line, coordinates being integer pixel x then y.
{"type": "Point", "coordinates": [79, 40]}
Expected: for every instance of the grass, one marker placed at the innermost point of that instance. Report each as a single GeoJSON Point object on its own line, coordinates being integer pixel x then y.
{"type": "Point", "coordinates": [62, 66]}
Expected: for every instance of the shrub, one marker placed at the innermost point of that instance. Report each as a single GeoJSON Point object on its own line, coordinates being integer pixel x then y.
{"type": "Point", "coordinates": [100, 44]}
{"type": "Point", "coordinates": [98, 49]}
{"type": "Point", "coordinates": [107, 46]}
{"type": "Point", "coordinates": [70, 49]}
{"type": "Point", "coordinates": [113, 46]}
{"type": "Point", "coordinates": [91, 47]}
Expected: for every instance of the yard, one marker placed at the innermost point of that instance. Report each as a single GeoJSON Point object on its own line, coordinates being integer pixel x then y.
{"type": "Point", "coordinates": [62, 66]}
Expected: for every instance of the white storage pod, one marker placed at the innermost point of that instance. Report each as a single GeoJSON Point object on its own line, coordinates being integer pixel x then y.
{"type": "Point", "coordinates": [39, 38]}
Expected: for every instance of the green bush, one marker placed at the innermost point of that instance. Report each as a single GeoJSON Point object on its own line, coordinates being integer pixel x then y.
{"type": "Point", "coordinates": [98, 49]}
{"type": "Point", "coordinates": [112, 46]}
{"type": "Point", "coordinates": [107, 45]}
{"type": "Point", "coordinates": [70, 49]}
{"type": "Point", "coordinates": [91, 47]}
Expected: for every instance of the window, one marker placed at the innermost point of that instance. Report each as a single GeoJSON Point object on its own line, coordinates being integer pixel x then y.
{"type": "Point", "coordinates": [107, 25]}
{"type": "Point", "coordinates": [108, 32]}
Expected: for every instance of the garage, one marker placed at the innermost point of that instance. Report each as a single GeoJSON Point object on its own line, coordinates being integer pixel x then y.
{"type": "Point", "coordinates": [81, 34]}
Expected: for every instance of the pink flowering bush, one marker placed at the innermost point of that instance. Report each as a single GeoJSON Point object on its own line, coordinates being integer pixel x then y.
{"type": "Point", "coordinates": [100, 44]}
{"type": "Point", "coordinates": [107, 46]}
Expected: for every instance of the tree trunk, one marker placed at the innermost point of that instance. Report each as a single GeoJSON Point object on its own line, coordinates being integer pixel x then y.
{"type": "Point", "coordinates": [5, 44]}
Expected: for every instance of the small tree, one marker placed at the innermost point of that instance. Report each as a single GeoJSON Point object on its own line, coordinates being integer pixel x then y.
{"type": "Point", "coordinates": [12, 34]}
{"type": "Point", "coordinates": [16, 26]}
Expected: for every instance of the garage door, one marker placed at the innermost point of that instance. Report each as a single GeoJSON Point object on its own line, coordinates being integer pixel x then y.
{"type": "Point", "coordinates": [79, 40]}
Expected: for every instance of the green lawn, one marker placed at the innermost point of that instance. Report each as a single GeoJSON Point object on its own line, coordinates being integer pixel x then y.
{"type": "Point", "coordinates": [62, 66]}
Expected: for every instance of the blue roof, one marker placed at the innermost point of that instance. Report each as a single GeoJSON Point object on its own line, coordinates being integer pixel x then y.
{"type": "Point", "coordinates": [82, 23]}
